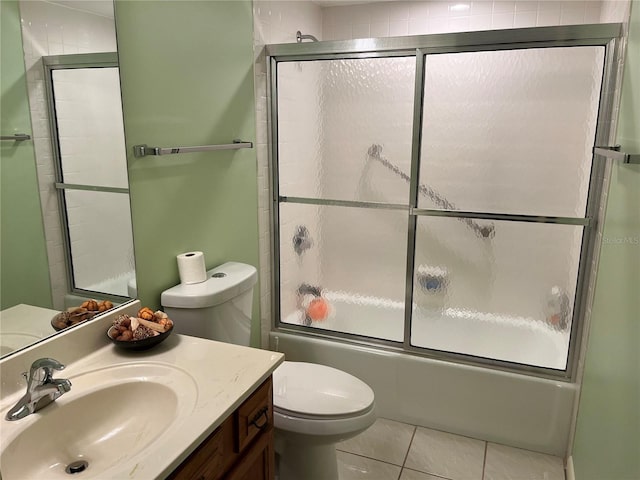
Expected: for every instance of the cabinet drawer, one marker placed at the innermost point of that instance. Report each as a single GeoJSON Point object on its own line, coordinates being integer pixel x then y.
{"type": "Point", "coordinates": [255, 415]}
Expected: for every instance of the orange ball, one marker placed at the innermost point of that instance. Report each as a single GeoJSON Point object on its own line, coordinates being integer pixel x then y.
{"type": "Point", "coordinates": [318, 309]}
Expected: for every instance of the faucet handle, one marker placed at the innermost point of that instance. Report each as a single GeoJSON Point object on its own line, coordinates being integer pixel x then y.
{"type": "Point", "coordinates": [46, 366]}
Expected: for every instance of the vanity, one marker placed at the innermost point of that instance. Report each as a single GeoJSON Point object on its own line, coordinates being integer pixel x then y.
{"type": "Point", "coordinates": [187, 409]}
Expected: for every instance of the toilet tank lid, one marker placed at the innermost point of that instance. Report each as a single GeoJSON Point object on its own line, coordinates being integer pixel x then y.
{"type": "Point", "coordinates": [223, 283]}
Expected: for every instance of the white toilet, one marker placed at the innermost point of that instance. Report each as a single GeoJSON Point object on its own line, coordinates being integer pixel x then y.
{"type": "Point", "coordinates": [314, 406]}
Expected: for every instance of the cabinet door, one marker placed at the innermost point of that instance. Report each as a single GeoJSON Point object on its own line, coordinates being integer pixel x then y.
{"type": "Point", "coordinates": [258, 462]}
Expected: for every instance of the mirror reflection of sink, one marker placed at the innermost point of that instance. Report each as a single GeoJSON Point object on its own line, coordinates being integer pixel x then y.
{"type": "Point", "coordinates": [110, 416]}
{"type": "Point", "coordinates": [14, 340]}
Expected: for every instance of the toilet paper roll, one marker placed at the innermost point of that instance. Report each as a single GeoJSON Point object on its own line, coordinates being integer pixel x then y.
{"type": "Point", "coordinates": [191, 267]}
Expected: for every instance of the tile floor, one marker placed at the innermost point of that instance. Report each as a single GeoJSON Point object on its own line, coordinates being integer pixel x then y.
{"type": "Point", "coordinates": [392, 450]}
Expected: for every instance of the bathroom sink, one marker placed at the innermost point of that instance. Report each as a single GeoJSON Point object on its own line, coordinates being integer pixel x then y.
{"type": "Point", "coordinates": [111, 417]}
{"type": "Point", "coordinates": [10, 341]}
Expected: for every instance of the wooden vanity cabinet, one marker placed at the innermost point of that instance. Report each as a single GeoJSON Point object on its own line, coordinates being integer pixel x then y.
{"type": "Point", "coordinates": [241, 448]}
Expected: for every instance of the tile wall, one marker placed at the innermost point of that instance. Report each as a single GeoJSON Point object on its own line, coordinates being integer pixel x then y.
{"type": "Point", "coordinates": [390, 19]}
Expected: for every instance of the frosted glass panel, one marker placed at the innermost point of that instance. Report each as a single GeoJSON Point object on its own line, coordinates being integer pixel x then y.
{"type": "Point", "coordinates": [330, 113]}
{"type": "Point", "coordinates": [343, 269]}
{"type": "Point", "coordinates": [508, 298]}
{"type": "Point", "coordinates": [101, 251]}
{"type": "Point", "coordinates": [511, 131]}
{"type": "Point", "coordinates": [90, 128]}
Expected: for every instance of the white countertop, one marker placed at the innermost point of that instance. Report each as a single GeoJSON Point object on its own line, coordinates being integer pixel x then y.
{"type": "Point", "coordinates": [223, 375]}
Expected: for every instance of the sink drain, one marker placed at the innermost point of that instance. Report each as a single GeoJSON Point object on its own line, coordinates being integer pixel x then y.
{"type": "Point", "coordinates": [77, 467]}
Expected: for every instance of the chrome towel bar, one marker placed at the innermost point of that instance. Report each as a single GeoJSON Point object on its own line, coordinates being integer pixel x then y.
{"type": "Point", "coordinates": [144, 150]}
{"type": "Point", "coordinates": [616, 154]}
{"type": "Point", "coordinates": [18, 137]}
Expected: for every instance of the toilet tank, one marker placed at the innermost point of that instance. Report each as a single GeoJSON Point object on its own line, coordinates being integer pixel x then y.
{"type": "Point", "coordinates": [218, 308]}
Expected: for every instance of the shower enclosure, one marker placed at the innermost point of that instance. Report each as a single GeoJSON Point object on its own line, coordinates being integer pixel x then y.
{"type": "Point", "coordinates": [87, 132]}
{"type": "Point", "coordinates": [438, 195]}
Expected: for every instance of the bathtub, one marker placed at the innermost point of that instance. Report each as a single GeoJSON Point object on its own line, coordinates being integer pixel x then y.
{"type": "Point", "coordinates": [508, 408]}
{"type": "Point", "coordinates": [502, 337]}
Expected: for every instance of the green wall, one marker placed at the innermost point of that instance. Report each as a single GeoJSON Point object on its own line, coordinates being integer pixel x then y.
{"type": "Point", "coordinates": [24, 271]}
{"type": "Point", "coordinates": [187, 79]}
{"type": "Point", "coordinates": [607, 442]}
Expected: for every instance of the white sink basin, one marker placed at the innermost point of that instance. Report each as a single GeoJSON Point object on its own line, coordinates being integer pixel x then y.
{"type": "Point", "coordinates": [108, 419]}
{"type": "Point", "coordinates": [10, 341]}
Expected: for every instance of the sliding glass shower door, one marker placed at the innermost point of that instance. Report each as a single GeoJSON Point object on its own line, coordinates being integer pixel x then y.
{"type": "Point", "coordinates": [507, 136]}
{"type": "Point", "coordinates": [337, 250]}
{"type": "Point", "coordinates": [439, 199]}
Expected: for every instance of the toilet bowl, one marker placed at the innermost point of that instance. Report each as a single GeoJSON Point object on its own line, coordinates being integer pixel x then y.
{"type": "Point", "coordinates": [314, 406]}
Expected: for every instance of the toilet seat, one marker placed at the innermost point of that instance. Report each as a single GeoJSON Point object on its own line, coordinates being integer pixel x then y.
{"type": "Point", "coordinates": [319, 395]}
{"type": "Point", "coordinates": [319, 392]}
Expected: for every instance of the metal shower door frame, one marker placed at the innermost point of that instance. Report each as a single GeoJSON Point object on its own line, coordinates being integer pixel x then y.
{"type": "Point", "coordinates": [603, 35]}
{"type": "Point", "coordinates": [70, 62]}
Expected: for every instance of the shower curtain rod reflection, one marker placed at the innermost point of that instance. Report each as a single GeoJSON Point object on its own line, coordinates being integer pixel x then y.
{"type": "Point", "coordinates": [485, 231]}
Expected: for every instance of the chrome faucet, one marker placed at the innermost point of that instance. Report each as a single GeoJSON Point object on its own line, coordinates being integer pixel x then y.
{"type": "Point", "coordinates": [42, 388]}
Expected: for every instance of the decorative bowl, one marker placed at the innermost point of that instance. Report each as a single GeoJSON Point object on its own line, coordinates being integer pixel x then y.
{"type": "Point", "coordinates": [69, 320]}
{"type": "Point", "coordinates": [143, 344]}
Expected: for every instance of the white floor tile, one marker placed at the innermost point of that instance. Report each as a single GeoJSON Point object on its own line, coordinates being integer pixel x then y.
{"type": "Point", "coordinates": [414, 475]}
{"type": "Point", "coordinates": [385, 440]}
{"type": "Point", "coordinates": [446, 455]}
{"type": "Point", "coordinates": [354, 467]}
{"type": "Point", "coordinates": [508, 463]}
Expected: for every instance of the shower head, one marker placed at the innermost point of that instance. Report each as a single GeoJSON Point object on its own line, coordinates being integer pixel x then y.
{"type": "Point", "coordinates": [375, 150]}
{"type": "Point", "coordinates": [300, 37]}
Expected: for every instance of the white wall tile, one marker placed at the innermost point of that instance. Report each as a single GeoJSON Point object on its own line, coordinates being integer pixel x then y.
{"type": "Point", "coordinates": [592, 12]}
{"type": "Point", "coordinates": [398, 11]}
{"type": "Point", "coordinates": [504, 6]}
{"type": "Point", "coordinates": [418, 26]}
{"type": "Point", "coordinates": [525, 19]}
{"type": "Point", "coordinates": [482, 7]}
{"type": "Point", "coordinates": [419, 10]}
{"type": "Point", "coordinates": [526, 6]}
{"type": "Point", "coordinates": [480, 22]}
{"type": "Point", "coordinates": [572, 13]}
{"type": "Point", "coordinates": [503, 20]}
{"type": "Point", "coordinates": [361, 30]}
{"type": "Point", "coordinates": [549, 13]}
{"type": "Point", "coordinates": [379, 29]}
{"type": "Point", "coordinates": [459, 24]}
{"type": "Point", "coordinates": [398, 28]}
{"type": "Point", "coordinates": [439, 9]}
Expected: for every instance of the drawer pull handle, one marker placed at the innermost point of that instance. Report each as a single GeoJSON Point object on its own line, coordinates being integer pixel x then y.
{"type": "Point", "coordinates": [262, 412]}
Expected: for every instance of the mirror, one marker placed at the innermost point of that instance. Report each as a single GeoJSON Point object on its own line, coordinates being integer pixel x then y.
{"type": "Point", "coordinates": [71, 71]}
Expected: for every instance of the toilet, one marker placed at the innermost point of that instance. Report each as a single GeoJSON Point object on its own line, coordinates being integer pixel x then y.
{"type": "Point", "coordinates": [314, 406]}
